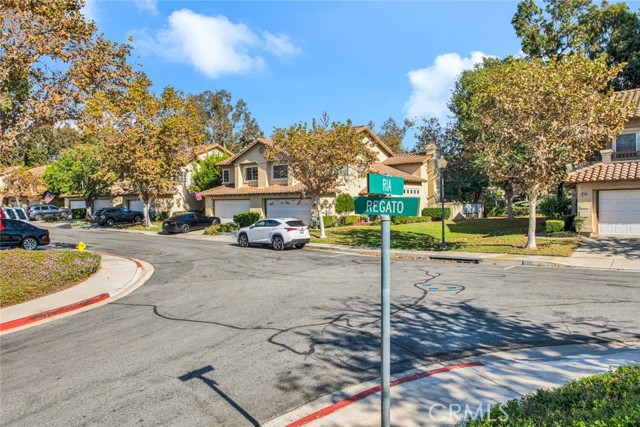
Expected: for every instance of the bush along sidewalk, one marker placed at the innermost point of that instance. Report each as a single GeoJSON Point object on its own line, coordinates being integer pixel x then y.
{"type": "Point", "coordinates": [30, 274]}
{"type": "Point", "coordinates": [611, 399]}
{"type": "Point", "coordinates": [220, 229]}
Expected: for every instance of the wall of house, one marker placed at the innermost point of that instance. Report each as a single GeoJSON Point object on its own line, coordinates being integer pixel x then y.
{"type": "Point", "coordinates": [587, 196]}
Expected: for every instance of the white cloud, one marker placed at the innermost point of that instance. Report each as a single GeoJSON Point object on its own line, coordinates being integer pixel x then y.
{"type": "Point", "coordinates": [432, 86]}
{"type": "Point", "coordinates": [214, 45]}
{"type": "Point", "coordinates": [150, 6]}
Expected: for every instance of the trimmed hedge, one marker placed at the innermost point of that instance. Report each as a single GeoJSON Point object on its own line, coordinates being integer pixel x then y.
{"type": "Point", "coordinates": [409, 219]}
{"type": "Point", "coordinates": [350, 219]}
{"type": "Point", "coordinates": [554, 226]}
{"type": "Point", "coordinates": [436, 213]}
{"type": "Point", "coordinates": [344, 203]}
{"type": "Point", "coordinates": [78, 213]}
{"type": "Point", "coordinates": [330, 221]}
{"type": "Point", "coordinates": [220, 229]}
{"type": "Point", "coordinates": [562, 234]}
{"type": "Point", "coordinates": [245, 219]}
{"type": "Point", "coordinates": [161, 216]}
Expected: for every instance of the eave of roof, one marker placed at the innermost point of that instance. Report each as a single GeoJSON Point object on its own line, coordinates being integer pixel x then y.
{"type": "Point", "coordinates": [383, 169]}
{"type": "Point", "coordinates": [376, 138]}
{"type": "Point", "coordinates": [232, 159]}
{"type": "Point", "coordinates": [209, 147]}
{"type": "Point", "coordinates": [224, 190]}
{"type": "Point", "coordinates": [406, 159]}
{"type": "Point", "coordinates": [605, 172]}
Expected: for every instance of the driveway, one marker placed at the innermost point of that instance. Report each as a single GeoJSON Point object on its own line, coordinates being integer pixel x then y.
{"type": "Point", "coordinates": [608, 252]}
{"type": "Point", "coordinates": [230, 336]}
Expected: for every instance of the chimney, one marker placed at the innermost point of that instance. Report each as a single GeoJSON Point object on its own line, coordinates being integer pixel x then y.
{"type": "Point", "coordinates": [606, 155]}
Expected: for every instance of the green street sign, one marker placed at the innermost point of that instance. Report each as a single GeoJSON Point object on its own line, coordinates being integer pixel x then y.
{"type": "Point", "coordinates": [393, 206]}
{"type": "Point", "coordinates": [388, 185]}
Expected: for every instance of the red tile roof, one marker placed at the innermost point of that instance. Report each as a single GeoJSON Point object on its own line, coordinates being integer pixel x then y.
{"type": "Point", "coordinates": [224, 190]}
{"type": "Point", "coordinates": [405, 159]}
{"type": "Point", "coordinates": [631, 99]}
{"type": "Point", "coordinates": [383, 169]}
{"type": "Point", "coordinates": [605, 172]}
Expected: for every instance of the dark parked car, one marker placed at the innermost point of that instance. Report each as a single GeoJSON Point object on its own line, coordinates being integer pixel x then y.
{"type": "Point", "coordinates": [183, 223]}
{"type": "Point", "coordinates": [43, 211]}
{"type": "Point", "coordinates": [16, 233]}
{"type": "Point", "coordinates": [112, 215]}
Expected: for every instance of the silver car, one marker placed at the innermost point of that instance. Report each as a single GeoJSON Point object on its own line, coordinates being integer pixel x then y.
{"type": "Point", "coordinates": [42, 211]}
{"type": "Point", "coordinates": [278, 233]}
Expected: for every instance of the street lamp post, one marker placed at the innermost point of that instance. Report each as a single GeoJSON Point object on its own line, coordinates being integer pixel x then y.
{"type": "Point", "coordinates": [442, 164]}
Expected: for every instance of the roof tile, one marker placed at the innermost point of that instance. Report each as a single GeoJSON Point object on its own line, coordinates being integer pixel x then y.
{"type": "Point", "coordinates": [224, 190]}
{"type": "Point", "coordinates": [605, 172]}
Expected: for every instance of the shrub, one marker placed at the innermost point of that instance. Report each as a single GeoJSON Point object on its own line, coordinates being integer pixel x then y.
{"type": "Point", "coordinates": [496, 211]}
{"type": "Point", "coordinates": [330, 221]}
{"type": "Point", "coordinates": [562, 234]}
{"type": "Point", "coordinates": [611, 399]}
{"type": "Point", "coordinates": [344, 203]}
{"type": "Point", "coordinates": [554, 226]}
{"type": "Point", "coordinates": [161, 216]}
{"type": "Point", "coordinates": [220, 229]}
{"type": "Point", "coordinates": [351, 219]}
{"type": "Point", "coordinates": [54, 218]}
{"type": "Point", "coordinates": [409, 219]}
{"type": "Point", "coordinates": [30, 274]}
{"type": "Point", "coordinates": [578, 223]}
{"type": "Point", "coordinates": [436, 213]}
{"type": "Point", "coordinates": [78, 213]}
{"type": "Point", "coordinates": [520, 210]}
{"type": "Point", "coordinates": [552, 206]}
{"type": "Point", "coordinates": [245, 219]}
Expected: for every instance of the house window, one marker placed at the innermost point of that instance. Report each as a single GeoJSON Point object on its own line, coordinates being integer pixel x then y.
{"type": "Point", "coordinates": [626, 143]}
{"type": "Point", "coordinates": [226, 176]}
{"type": "Point", "coordinates": [280, 172]}
{"type": "Point", "coordinates": [251, 173]}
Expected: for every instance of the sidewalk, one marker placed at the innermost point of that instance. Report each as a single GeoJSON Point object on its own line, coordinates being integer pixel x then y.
{"type": "Point", "coordinates": [438, 395]}
{"type": "Point", "coordinates": [117, 277]}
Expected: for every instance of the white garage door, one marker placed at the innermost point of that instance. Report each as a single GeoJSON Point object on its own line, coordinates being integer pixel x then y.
{"type": "Point", "coordinates": [226, 209]}
{"type": "Point", "coordinates": [619, 212]}
{"type": "Point", "coordinates": [101, 204]}
{"type": "Point", "coordinates": [289, 208]}
{"type": "Point", "coordinates": [77, 204]}
{"type": "Point", "coordinates": [136, 205]}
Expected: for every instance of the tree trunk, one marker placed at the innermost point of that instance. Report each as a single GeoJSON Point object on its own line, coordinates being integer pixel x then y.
{"type": "Point", "coordinates": [319, 206]}
{"type": "Point", "coordinates": [533, 200]}
{"type": "Point", "coordinates": [145, 210]}
{"type": "Point", "coordinates": [560, 190]}
{"type": "Point", "coordinates": [508, 194]}
{"type": "Point", "coordinates": [88, 203]}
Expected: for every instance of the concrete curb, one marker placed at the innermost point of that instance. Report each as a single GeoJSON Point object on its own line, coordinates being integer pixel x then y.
{"type": "Point", "coordinates": [143, 272]}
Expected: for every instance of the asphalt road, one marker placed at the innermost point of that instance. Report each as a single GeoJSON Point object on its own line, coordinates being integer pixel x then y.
{"type": "Point", "coordinates": [228, 336]}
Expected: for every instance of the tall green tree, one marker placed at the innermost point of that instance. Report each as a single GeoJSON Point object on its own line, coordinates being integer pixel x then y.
{"type": "Point", "coordinates": [580, 27]}
{"type": "Point", "coordinates": [318, 155]}
{"type": "Point", "coordinates": [534, 117]}
{"type": "Point", "coordinates": [226, 123]}
{"type": "Point", "coordinates": [51, 60]}
{"type": "Point", "coordinates": [207, 173]}
{"type": "Point", "coordinates": [392, 134]}
{"type": "Point", "coordinates": [144, 139]}
{"type": "Point", "coordinates": [77, 171]}
{"type": "Point", "coordinates": [42, 146]}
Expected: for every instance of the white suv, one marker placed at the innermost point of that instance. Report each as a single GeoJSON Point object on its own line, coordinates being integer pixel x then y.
{"type": "Point", "coordinates": [276, 232]}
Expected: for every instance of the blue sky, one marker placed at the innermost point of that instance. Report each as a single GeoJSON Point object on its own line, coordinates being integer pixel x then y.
{"type": "Point", "coordinates": [291, 61]}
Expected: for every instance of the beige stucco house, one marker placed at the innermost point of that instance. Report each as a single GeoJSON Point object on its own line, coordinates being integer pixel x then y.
{"type": "Point", "coordinates": [35, 195]}
{"type": "Point", "coordinates": [607, 194]}
{"type": "Point", "coordinates": [180, 199]}
{"type": "Point", "coordinates": [251, 183]}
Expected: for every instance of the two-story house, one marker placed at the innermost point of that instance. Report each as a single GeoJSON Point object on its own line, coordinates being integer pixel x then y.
{"type": "Point", "coordinates": [251, 183]}
{"type": "Point", "coordinates": [181, 198]}
{"type": "Point", "coordinates": [607, 194]}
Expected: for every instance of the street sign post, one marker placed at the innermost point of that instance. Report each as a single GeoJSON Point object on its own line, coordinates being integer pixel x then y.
{"type": "Point", "coordinates": [386, 207]}
{"type": "Point", "coordinates": [387, 185]}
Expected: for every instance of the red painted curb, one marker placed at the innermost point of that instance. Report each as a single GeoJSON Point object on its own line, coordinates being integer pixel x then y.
{"type": "Point", "coordinates": [339, 405]}
{"type": "Point", "coordinates": [12, 324]}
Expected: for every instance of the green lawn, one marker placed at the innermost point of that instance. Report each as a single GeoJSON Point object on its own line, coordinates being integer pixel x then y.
{"type": "Point", "coordinates": [494, 235]}
{"type": "Point", "coordinates": [155, 226]}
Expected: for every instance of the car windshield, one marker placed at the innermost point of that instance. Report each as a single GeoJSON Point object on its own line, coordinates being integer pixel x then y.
{"type": "Point", "coordinates": [295, 223]}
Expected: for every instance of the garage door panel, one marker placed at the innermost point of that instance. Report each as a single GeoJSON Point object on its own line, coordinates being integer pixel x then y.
{"type": "Point", "coordinates": [77, 204]}
{"type": "Point", "coordinates": [226, 209]}
{"type": "Point", "coordinates": [136, 205]}
{"type": "Point", "coordinates": [290, 208]}
{"type": "Point", "coordinates": [101, 204]}
{"type": "Point", "coordinates": [619, 212]}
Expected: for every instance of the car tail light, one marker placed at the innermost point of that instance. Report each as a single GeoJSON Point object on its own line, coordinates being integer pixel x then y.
{"type": "Point", "coordinates": [46, 233]}
{"type": "Point", "coordinates": [291, 228]}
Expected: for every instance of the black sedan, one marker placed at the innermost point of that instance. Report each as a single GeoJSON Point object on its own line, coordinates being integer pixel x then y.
{"type": "Point", "coordinates": [15, 233]}
{"type": "Point", "coordinates": [183, 223]}
{"type": "Point", "coordinates": [112, 215]}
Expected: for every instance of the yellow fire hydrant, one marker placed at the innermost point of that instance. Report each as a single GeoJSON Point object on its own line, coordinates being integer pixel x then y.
{"type": "Point", "coordinates": [81, 247]}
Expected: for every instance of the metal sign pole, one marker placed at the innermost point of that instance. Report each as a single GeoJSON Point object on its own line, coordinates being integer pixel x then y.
{"type": "Point", "coordinates": [385, 308]}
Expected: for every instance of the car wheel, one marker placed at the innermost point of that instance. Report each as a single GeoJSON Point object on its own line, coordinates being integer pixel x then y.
{"type": "Point", "coordinates": [29, 244]}
{"type": "Point", "coordinates": [215, 222]}
{"type": "Point", "coordinates": [38, 217]}
{"type": "Point", "coordinates": [64, 215]}
{"type": "Point", "coordinates": [278, 243]}
{"type": "Point", "coordinates": [243, 240]}
{"type": "Point", "coordinates": [185, 228]}
{"type": "Point", "coordinates": [137, 218]}
{"type": "Point", "coordinates": [110, 222]}
{"type": "Point", "coordinates": [299, 245]}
